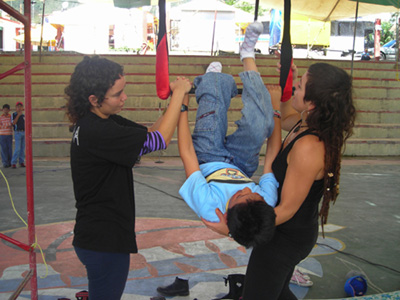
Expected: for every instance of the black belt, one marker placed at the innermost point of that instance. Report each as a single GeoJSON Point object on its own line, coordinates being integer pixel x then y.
{"type": "Point", "coordinates": [20, 130]}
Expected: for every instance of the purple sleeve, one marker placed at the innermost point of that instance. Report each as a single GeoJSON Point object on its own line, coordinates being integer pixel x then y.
{"type": "Point", "coordinates": [154, 142]}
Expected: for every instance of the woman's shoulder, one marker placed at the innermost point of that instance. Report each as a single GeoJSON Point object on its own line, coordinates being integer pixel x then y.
{"type": "Point", "coordinates": [308, 154]}
{"type": "Point", "coordinates": [309, 147]}
{"type": "Point", "coordinates": [309, 143]}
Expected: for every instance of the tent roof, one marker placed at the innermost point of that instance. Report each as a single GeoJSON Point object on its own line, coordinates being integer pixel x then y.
{"type": "Point", "coordinates": [327, 10]}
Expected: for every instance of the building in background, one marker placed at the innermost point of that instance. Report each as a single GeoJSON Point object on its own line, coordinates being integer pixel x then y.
{"type": "Point", "coordinates": [202, 25]}
{"type": "Point", "coordinates": [9, 29]}
{"type": "Point", "coordinates": [100, 28]}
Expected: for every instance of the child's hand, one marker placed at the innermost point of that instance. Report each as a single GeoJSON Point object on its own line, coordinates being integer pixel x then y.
{"type": "Point", "coordinates": [221, 227]}
{"type": "Point", "coordinates": [276, 94]}
{"type": "Point", "coordinates": [181, 83]}
{"type": "Point", "coordinates": [294, 70]}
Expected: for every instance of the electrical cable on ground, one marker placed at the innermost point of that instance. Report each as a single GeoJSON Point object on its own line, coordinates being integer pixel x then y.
{"type": "Point", "coordinates": [36, 244]}
{"type": "Point", "coordinates": [358, 257]}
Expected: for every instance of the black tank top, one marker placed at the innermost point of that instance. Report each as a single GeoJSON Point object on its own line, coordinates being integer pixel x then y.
{"type": "Point", "coordinates": [307, 215]}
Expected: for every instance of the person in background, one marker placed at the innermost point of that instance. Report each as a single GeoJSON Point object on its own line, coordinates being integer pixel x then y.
{"type": "Point", "coordinates": [18, 121]}
{"type": "Point", "coordinates": [6, 136]}
{"type": "Point", "coordinates": [365, 55]}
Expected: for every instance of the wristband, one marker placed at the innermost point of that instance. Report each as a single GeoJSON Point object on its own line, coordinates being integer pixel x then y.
{"type": "Point", "coordinates": [277, 114]}
{"type": "Point", "coordinates": [184, 108]}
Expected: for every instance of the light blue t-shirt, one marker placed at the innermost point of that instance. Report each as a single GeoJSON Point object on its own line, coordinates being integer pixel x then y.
{"type": "Point", "coordinates": [204, 197]}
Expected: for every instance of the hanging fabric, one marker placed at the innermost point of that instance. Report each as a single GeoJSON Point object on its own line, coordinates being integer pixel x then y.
{"type": "Point", "coordinates": [162, 63]}
{"type": "Point", "coordinates": [286, 76]}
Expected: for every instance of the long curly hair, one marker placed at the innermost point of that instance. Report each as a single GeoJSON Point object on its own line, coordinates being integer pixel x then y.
{"type": "Point", "coordinates": [330, 89]}
{"type": "Point", "coordinates": [92, 76]}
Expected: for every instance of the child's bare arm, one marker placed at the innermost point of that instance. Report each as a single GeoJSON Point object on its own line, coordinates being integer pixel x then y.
{"type": "Point", "coordinates": [275, 140]}
{"type": "Point", "coordinates": [185, 143]}
{"type": "Point", "coordinates": [167, 125]}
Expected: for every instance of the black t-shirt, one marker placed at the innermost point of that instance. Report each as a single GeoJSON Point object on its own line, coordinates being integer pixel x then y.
{"type": "Point", "coordinates": [103, 152]}
{"type": "Point", "coordinates": [20, 126]}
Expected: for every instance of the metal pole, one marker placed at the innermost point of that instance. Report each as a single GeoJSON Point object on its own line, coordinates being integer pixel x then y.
{"type": "Point", "coordinates": [213, 36]}
{"type": "Point", "coordinates": [354, 39]}
{"type": "Point", "coordinates": [256, 10]}
{"type": "Point", "coordinates": [377, 40]}
{"type": "Point", "coordinates": [41, 33]}
{"type": "Point", "coordinates": [26, 65]}
{"type": "Point", "coordinates": [397, 40]}
{"type": "Point", "coordinates": [28, 143]}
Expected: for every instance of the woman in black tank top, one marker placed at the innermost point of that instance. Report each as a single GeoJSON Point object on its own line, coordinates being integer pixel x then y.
{"type": "Point", "coordinates": [319, 117]}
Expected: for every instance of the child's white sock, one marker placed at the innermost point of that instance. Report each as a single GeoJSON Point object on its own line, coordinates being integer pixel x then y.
{"type": "Point", "coordinates": [253, 31]}
{"type": "Point", "coordinates": [215, 66]}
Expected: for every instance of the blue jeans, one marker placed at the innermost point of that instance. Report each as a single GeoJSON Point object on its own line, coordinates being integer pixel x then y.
{"type": "Point", "coordinates": [242, 148]}
{"type": "Point", "coordinates": [6, 149]}
{"type": "Point", "coordinates": [107, 273]}
{"type": "Point", "coordinates": [19, 151]}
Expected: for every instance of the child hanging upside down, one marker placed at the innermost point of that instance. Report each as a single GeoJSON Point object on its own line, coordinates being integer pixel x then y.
{"type": "Point", "coordinates": [219, 167]}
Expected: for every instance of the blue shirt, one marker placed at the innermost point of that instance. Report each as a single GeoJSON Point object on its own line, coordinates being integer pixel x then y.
{"type": "Point", "coordinates": [204, 197]}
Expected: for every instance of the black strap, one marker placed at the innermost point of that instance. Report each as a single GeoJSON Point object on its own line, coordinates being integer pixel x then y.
{"type": "Point", "coordinates": [286, 48]}
{"type": "Point", "coordinates": [256, 10]}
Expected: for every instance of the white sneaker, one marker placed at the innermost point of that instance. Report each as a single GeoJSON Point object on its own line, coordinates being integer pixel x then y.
{"type": "Point", "coordinates": [253, 31]}
{"type": "Point", "coordinates": [215, 66]}
{"type": "Point", "coordinates": [300, 279]}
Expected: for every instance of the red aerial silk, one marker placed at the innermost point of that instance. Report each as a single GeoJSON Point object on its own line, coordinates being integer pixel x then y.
{"type": "Point", "coordinates": [162, 64]}
{"type": "Point", "coordinates": [286, 76]}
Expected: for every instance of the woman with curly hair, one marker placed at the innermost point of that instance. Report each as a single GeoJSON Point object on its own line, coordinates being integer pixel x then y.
{"type": "Point", "coordinates": [319, 117]}
{"type": "Point", "coordinates": [104, 148]}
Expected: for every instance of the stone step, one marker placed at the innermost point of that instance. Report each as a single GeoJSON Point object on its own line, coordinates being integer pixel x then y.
{"type": "Point", "coordinates": [376, 95]}
{"type": "Point", "coordinates": [141, 115]}
{"type": "Point", "coordinates": [74, 58]}
{"type": "Point", "coordinates": [377, 104]}
{"type": "Point", "coordinates": [48, 130]}
{"type": "Point", "coordinates": [146, 73]}
{"type": "Point", "coordinates": [382, 131]}
{"type": "Point", "coordinates": [373, 147]}
{"type": "Point", "coordinates": [148, 109]}
{"type": "Point", "coordinates": [378, 116]}
{"type": "Point", "coordinates": [151, 114]}
{"type": "Point", "coordinates": [354, 147]}
{"type": "Point", "coordinates": [134, 64]}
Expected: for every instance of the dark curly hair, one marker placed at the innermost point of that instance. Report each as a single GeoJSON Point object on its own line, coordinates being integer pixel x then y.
{"type": "Point", "coordinates": [330, 89]}
{"type": "Point", "coordinates": [251, 223]}
{"type": "Point", "coordinates": [92, 76]}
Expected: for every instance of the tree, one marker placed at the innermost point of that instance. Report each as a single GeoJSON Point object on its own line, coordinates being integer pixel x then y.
{"type": "Point", "coordinates": [37, 7]}
{"type": "Point", "coordinates": [386, 34]}
{"type": "Point", "coordinates": [246, 6]}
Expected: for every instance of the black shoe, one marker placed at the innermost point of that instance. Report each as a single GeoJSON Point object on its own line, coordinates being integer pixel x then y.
{"type": "Point", "coordinates": [236, 282]}
{"type": "Point", "coordinates": [180, 287]}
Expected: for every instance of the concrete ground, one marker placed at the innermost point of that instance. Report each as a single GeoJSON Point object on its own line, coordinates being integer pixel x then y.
{"type": "Point", "coordinates": [364, 225]}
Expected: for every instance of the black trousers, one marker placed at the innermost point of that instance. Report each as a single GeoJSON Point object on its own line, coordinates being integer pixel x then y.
{"type": "Point", "coordinates": [271, 265]}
